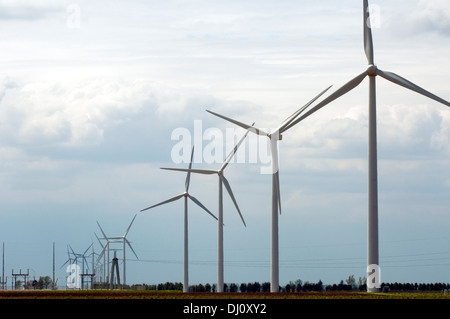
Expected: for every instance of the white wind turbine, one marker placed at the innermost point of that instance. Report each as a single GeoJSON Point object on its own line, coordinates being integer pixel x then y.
{"type": "Point", "coordinates": [372, 71]}
{"type": "Point", "coordinates": [103, 266]}
{"type": "Point", "coordinates": [186, 195]}
{"type": "Point", "coordinates": [78, 258]}
{"type": "Point", "coordinates": [82, 257]}
{"type": "Point", "coordinates": [274, 137]}
{"type": "Point", "coordinates": [105, 252]}
{"type": "Point", "coordinates": [222, 181]}
{"type": "Point", "coordinates": [119, 239]}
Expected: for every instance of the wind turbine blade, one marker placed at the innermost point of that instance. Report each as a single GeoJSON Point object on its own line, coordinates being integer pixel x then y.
{"type": "Point", "coordinates": [68, 255]}
{"type": "Point", "coordinates": [104, 235]}
{"type": "Point", "coordinates": [68, 260]}
{"type": "Point", "coordinates": [164, 202]}
{"type": "Point", "coordinates": [85, 263]}
{"type": "Point", "coordinates": [350, 85]}
{"type": "Point", "coordinates": [245, 126]}
{"type": "Point", "coordinates": [103, 252]}
{"type": "Point", "coordinates": [277, 186]}
{"type": "Point", "coordinates": [230, 156]}
{"type": "Point", "coordinates": [87, 249]}
{"type": "Point", "coordinates": [99, 240]}
{"type": "Point", "coordinates": [72, 250]}
{"type": "Point", "coordinates": [188, 177]}
{"type": "Point", "coordinates": [368, 41]}
{"type": "Point", "coordinates": [128, 229]}
{"type": "Point", "coordinates": [409, 85]}
{"type": "Point", "coordinates": [129, 245]}
{"type": "Point", "coordinates": [300, 111]}
{"type": "Point", "coordinates": [195, 200]}
{"type": "Point", "coordinates": [199, 171]}
{"type": "Point", "coordinates": [230, 192]}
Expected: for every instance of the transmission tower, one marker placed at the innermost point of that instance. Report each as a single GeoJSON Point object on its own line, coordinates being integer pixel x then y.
{"type": "Point", "coordinates": [114, 269]}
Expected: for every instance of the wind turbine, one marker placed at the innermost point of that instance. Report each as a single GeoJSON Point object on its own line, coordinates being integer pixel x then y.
{"type": "Point", "coordinates": [105, 249]}
{"type": "Point", "coordinates": [104, 253]}
{"type": "Point", "coordinates": [222, 181]}
{"type": "Point", "coordinates": [120, 239]}
{"type": "Point", "coordinates": [274, 137]}
{"type": "Point", "coordinates": [186, 195]}
{"type": "Point", "coordinates": [102, 267]}
{"type": "Point", "coordinates": [75, 260]}
{"type": "Point", "coordinates": [372, 71]}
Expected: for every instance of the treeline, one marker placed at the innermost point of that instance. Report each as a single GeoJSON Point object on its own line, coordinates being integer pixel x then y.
{"type": "Point", "coordinates": [42, 283]}
{"type": "Point", "coordinates": [349, 284]}
{"type": "Point", "coordinates": [297, 286]}
{"type": "Point", "coordinates": [414, 287]}
{"type": "Point", "coordinates": [243, 287]}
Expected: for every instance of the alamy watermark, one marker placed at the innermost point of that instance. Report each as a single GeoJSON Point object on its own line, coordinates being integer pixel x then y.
{"type": "Point", "coordinates": [211, 146]}
{"type": "Point", "coordinates": [73, 20]}
{"type": "Point", "coordinates": [373, 276]}
{"type": "Point", "coordinates": [374, 20]}
{"type": "Point", "coordinates": [73, 281]}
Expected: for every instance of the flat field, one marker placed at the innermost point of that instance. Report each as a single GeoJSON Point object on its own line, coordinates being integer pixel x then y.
{"type": "Point", "coordinates": [132, 294]}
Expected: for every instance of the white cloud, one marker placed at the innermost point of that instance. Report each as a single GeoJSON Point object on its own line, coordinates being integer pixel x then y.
{"type": "Point", "coordinates": [29, 9]}
{"type": "Point", "coordinates": [413, 129]}
{"type": "Point", "coordinates": [10, 156]}
{"type": "Point", "coordinates": [76, 113]}
{"type": "Point", "coordinates": [426, 17]}
{"type": "Point", "coordinates": [433, 16]}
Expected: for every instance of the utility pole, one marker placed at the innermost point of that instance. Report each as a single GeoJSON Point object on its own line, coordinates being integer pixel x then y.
{"type": "Point", "coordinates": [53, 280]}
{"type": "Point", "coordinates": [3, 282]}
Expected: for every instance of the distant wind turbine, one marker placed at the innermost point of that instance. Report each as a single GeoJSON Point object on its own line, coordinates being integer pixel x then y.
{"type": "Point", "coordinates": [82, 258]}
{"type": "Point", "coordinates": [186, 195]}
{"type": "Point", "coordinates": [104, 265]}
{"type": "Point", "coordinates": [274, 137]}
{"type": "Point", "coordinates": [105, 252]}
{"type": "Point", "coordinates": [372, 71]}
{"type": "Point", "coordinates": [222, 181]}
{"type": "Point", "coordinates": [119, 239]}
{"type": "Point", "coordinates": [77, 258]}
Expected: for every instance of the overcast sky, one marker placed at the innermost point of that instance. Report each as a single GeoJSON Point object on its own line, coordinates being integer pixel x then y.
{"type": "Point", "coordinates": [91, 93]}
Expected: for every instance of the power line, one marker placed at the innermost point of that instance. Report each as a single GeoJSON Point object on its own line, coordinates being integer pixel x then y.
{"type": "Point", "coordinates": [389, 261]}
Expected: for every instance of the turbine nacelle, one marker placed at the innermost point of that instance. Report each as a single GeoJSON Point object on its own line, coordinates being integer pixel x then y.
{"type": "Point", "coordinates": [275, 136]}
{"type": "Point", "coordinates": [372, 70]}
